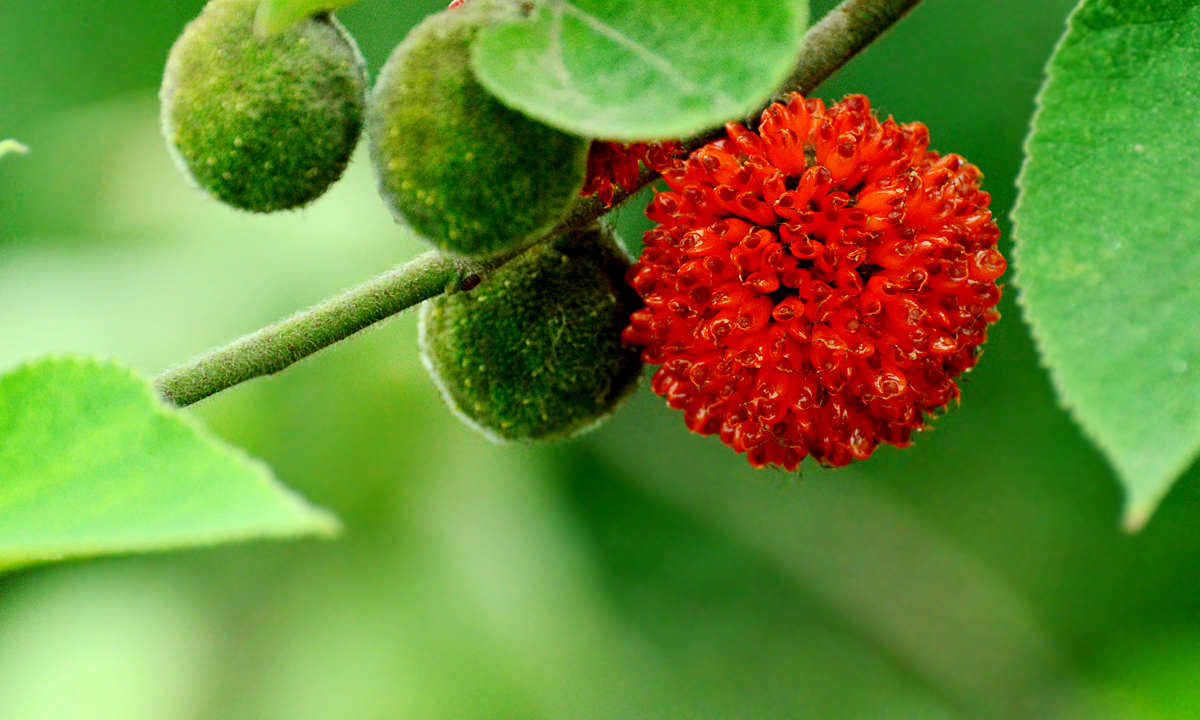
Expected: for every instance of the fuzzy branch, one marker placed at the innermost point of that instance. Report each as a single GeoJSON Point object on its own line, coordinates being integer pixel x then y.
{"type": "Point", "coordinates": [829, 44]}
{"type": "Point", "coordinates": [277, 346]}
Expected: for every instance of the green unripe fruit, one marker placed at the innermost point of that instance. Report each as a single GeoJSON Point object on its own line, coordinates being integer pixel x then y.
{"type": "Point", "coordinates": [262, 124]}
{"type": "Point", "coordinates": [534, 351]}
{"type": "Point", "coordinates": [470, 174]}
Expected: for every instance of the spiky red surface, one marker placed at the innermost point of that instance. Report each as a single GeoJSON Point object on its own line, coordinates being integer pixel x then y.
{"type": "Point", "coordinates": [613, 165]}
{"type": "Point", "coordinates": [813, 288]}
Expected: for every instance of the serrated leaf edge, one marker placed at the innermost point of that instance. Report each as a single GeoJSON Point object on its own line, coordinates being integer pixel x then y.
{"type": "Point", "coordinates": [1137, 508]}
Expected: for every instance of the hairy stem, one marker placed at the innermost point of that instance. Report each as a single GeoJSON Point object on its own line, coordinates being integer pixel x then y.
{"type": "Point", "coordinates": [277, 346]}
{"type": "Point", "coordinates": [829, 44]}
{"type": "Point", "coordinates": [839, 36]}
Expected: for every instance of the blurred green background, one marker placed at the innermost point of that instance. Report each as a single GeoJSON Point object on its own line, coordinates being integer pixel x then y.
{"type": "Point", "coordinates": [637, 572]}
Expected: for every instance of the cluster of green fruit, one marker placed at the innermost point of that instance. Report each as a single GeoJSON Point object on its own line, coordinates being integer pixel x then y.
{"type": "Point", "coordinates": [533, 350]}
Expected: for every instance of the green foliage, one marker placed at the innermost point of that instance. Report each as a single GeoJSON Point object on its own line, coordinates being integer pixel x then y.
{"type": "Point", "coordinates": [637, 572]}
{"type": "Point", "coordinates": [92, 463]}
{"type": "Point", "coordinates": [534, 351]}
{"type": "Point", "coordinates": [642, 70]}
{"type": "Point", "coordinates": [263, 124]}
{"type": "Point", "coordinates": [472, 175]}
{"type": "Point", "coordinates": [1107, 226]}
{"type": "Point", "coordinates": [276, 16]}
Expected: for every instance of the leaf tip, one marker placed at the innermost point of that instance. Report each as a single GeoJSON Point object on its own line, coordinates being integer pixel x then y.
{"type": "Point", "coordinates": [297, 516]}
{"type": "Point", "coordinates": [1145, 486]}
{"type": "Point", "coordinates": [12, 146]}
{"type": "Point", "coordinates": [1139, 508]}
{"type": "Point", "coordinates": [321, 522]}
{"type": "Point", "coordinates": [1135, 518]}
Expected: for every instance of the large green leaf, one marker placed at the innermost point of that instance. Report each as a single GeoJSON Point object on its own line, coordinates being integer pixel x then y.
{"type": "Point", "coordinates": [91, 462]}
{"type": "Point", "coordinates": [644, 70]}
{"type": "Point", "coordinates": [1108, 231]}
{"type": "Point", "coordinates": [275, 16]}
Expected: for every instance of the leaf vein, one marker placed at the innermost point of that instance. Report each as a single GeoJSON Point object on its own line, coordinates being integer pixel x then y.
{"type": "Point", "coordinates": [663, 65]}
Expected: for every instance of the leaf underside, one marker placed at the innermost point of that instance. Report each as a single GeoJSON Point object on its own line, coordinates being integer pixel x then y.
{"type": "Point", "coordinates": [648, 70]}
{"type": "Point", "coordinates": [1108, 236]}
{"type": "Point", "coordinates": [92, 463]}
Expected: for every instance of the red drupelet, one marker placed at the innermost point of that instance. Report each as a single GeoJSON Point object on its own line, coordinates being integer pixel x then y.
{"type": "Point", "coordinates": [814, 288]}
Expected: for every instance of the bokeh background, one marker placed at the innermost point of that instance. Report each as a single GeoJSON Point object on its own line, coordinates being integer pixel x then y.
{"type": "Point", "coordinates": [636, 572]}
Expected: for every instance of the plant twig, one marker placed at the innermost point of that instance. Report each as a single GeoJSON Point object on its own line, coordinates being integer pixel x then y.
{"type": "Point", "coordinates": [839, 36]}
{"type": "Point", "coordinates": [277, 346]}
{"type": "Point", "coordinates": [828, 45]}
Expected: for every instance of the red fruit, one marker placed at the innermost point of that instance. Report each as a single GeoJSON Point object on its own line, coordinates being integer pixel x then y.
{"type": "Point", "coordinates": [612, 165]}
{"type": "Point", "coordinates": [813, 288]}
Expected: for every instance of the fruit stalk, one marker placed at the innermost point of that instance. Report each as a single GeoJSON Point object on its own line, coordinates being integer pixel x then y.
{"type": "Point", "coordinates": [839, 36]}
{"type": "Point", "coordinates": [277, 346]}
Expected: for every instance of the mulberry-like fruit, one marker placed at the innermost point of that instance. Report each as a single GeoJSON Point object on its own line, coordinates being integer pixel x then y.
{"type": "Point", "coordinates": [534, 351]}
{"type": "Point", "coordinates": [473, 176]}
{"type": "Point", "coordinates": [613, 165]}
{"type": "Point", "coordinates": [262, 124]}
{"type": "Point", "coordinates": [813, 288]}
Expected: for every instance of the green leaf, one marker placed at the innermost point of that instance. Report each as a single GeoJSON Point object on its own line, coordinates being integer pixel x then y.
{"type": "Point", "coordinates": [1108, 236]}
{"type": "Point", "coordinates": [275, 16]}
{"type": "Point", "coordinates": [641, 71]}
{"type": "Point", "coordinates": [11, 146]}
{"type": "Point", "coordinates": [92, 463]}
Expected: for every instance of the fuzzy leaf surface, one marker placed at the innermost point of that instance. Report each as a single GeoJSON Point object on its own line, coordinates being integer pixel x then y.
{"type": "Point", "coordinates": [275, 16]}
{"type": "Point", "coordinates": [1108, 236]}
{"type": "Point", "coordinates": [619, 70]}
{"type": "Point", "coordinates": [92, 463]}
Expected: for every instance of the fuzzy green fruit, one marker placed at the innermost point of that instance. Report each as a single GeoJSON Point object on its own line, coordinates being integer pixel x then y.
{"type": "Point", "coordinates": [262, 124]}
{"type": "Point", "coordinates": [534, 351]}
{"type": "Point", "coordinates": [470, 174]}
